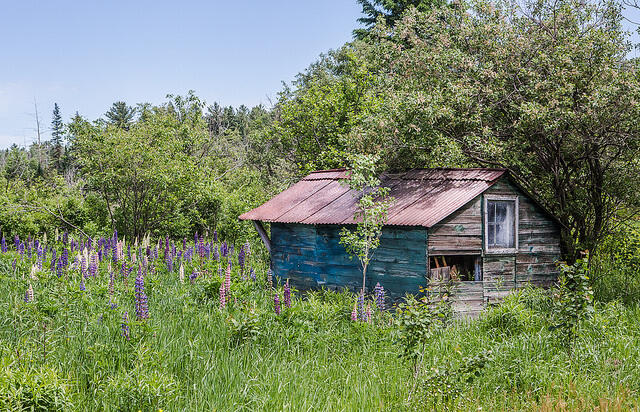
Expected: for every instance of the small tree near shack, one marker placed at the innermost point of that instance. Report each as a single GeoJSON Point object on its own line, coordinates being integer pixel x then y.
{"type": "Point", "coordinates": [371, 214]}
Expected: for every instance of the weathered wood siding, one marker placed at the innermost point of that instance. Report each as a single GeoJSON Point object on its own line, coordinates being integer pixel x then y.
{"type": "Point", "coordinates": [312, 256]}
{"type": "Point", "coordinates": [460, 233]}
{"type": "Point", "coordinates": [538, 246]}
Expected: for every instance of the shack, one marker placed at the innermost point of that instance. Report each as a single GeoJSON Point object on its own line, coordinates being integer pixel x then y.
{"type": "Point", "coordinates": [474, 228]}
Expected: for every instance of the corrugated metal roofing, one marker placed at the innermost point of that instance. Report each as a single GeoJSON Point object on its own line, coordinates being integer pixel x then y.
{"type": "Point", "coordinates": [422, 197]}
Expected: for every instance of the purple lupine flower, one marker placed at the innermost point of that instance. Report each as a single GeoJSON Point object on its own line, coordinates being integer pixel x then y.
{"type": "Point", "coordinates": [361, 306]}
{"type": "Point", "coordinates": [287, 295]}
{"type": "Point", "coordinates": [252, 274]}
{"type": "Point", "coordinates": [114, 253]}
{"type": "Point", "coordinates": [13, 264]}
{"type": "Point", "coordinates": [59, 267]}
{"type": "Point", "coordinates": [129, 252]}
{"type": "Point", "coordinates": [227, 279]}
{"type": "Point", "coordinates": [184, 243]}
{"type": "Point", "coordinates": [93, 266]}
{"type": "Point", "coordinates": [83, 266]}
{"type": "Point", "coordinates": [3, 245]}
{"type": "Point", "coordinates": [82, 286]}
{"type": "Point", "coordinates": [224, 249]}
{"type": "Point", "coordinates": [270, 278]}
{"type": "Point", "coordinates": [53, 260]}
{"type": "Point", "coordinates": [378, 292]}
{"type": "Point", "coordinates": [142, 304]}
{"type": "Point", "coordinates": [216, 255]}
{"type": "Point", "coordinates": [125, 325]}
{"type": "Point", "coordinates": [223, 296]}
{"type": "Point", "coordinates": [354, 312]}
{"type": "Point", "coordinates": [65, 257]}
{"type": "Point", "coordinates": [16, 241]}
{"type": "Point", "coordinates": [194, 276]}
{"type": "Point", "coordinates": [215, 236]}
{"type": "Point", "coordinates": [276, 303]}
{"type": "Point", "coordinates": [241, 258]}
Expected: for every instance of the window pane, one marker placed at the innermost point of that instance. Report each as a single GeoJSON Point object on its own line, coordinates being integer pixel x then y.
{"type": "Point", "coordinates": [501, 223]}
{"type": "Point", "coordinates": [491, 232]}
{"type": "Point", "coordinates": [491, 212]}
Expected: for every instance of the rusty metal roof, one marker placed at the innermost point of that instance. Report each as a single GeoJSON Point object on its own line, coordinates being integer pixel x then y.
{"type": "Point", "coordinates": [422, 197]}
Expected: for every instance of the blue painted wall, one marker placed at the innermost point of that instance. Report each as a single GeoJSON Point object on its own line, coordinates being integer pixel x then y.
{"type": "Point", "coordinates": [311, 256]}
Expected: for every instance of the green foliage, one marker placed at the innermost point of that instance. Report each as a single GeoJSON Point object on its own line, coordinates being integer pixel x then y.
{"type": "Point", "coordinates": [614, 268]}
{"type": "Point", "coordinates": [120, 115]}
{"type": "Point", "coordinates": [33, 389]}
{"type": "Point", "coordinates": [417, 321]}
{"type": "Point", "coordinates": [371, 215]}
{"type": "Point", "coordinates": [573, 299]}
{"type": "Point", "coordinates": [138, 391]}
{"type": "Point", "coordinates": [389, 12]}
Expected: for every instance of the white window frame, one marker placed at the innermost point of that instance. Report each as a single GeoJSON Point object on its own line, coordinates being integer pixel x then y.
{"type": "Point", "coordinates": [500, 251]}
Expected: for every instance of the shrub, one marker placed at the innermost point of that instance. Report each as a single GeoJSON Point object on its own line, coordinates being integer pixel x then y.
{"type": "Point", "coordinates": [40, 389]}
{"type": "Point", "coordinates": [138, 390]}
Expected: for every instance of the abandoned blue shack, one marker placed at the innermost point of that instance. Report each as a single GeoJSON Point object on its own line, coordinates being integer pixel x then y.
{"type": "Point", "coordinates": [473, 228]}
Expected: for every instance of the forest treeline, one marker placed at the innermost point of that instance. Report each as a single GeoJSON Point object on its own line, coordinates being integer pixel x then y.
{"type": "Point", "coordinates": [546, 89]}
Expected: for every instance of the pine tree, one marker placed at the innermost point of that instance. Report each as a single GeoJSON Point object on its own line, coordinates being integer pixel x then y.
{"type": "Point", "coordinates": [121, 115]}
{"type": "Point", "coordinates": [390, 10]}
{"type": "Point", "coordinates": [57, 137]}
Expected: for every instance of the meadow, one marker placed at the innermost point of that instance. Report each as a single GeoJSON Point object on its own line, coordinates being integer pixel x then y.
{"type": "Point", "coordinates": [106, 324]}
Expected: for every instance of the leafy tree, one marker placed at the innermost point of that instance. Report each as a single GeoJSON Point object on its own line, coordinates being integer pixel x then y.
{"type": "Point", "coordinates": [547, 92]}
{"type": "Point", "coordinates": [121, 115]}
{"type": "Point", "coordinates": [389, 11]}
{"type": "Point", "coordinates": [315, 118]}
{"type": "Point", "coordinates": [373, 205]}
{"type": "Point", "coordinates": [57, 136]}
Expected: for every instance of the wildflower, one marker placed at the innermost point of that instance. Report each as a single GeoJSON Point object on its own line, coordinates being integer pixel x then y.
{"type": "Point", "coordinates": [3, 245]}
{"type": "Point", "coordinates": [276, 303]}
{"type": "Point", "coordinates": [378, 292]}
{"type": "Point", "coordinates": [287, 295]}
{"type": "Point", "coordinates": [368, 313]}
{"type": "Point", "coordinates": [142, 304]}
{"type": "Point", "coordinates": [223, 297]}
{"type": "Point", "coordinates": [224, 249]}
{"type": "Point", "coordinates": [227, 279]}
{"type": "Point", "coordinates": [13, 264]}
{"type": "Point", "coordinates": [125, 326]}
{"type": "Point", "coordinates": [82, 286]}
{"type": "Point", "coordinates": [241, 258]}
{"type": "Point", "coordinates": [270, 278]}
{"type": "Point", "coordinates": [252, 274]}
{"type": "Point", "coordinates": [215, 236]}
{"type": "Point", "coordinates": [34, 272]}
{"type": "Point", "coordinates": [83, 266]}
{"type": "Point", "coordinates": [194, 276]}
{"type": "Point", "coordinates": [53, 260]}
{"type": "Point", "coordinates": [181, 273]}
{"type": "Point", "coordinates": [216, 255]}
{"type": "Point", "coordinates": [361, 306]}
{"type": "Point", "coordinates": [354, 312]}
{"type": "Point", "coordinates": [59, 267]}
{"type": "Point", "coordinates": [65, 257]}
{"type": "Point", "coordinates": [28, 296]}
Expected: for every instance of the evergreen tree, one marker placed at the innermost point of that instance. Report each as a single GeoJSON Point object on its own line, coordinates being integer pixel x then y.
{"type": "Point", "coordinates": [121, 115]}
{"type": "Point", "coordinates": [390, 10]}
{"type": "Point", "coordinates": [57, 143]}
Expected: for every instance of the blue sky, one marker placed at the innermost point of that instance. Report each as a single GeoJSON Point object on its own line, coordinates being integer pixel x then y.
{"type": "Point", "coordinates": [85, 55]}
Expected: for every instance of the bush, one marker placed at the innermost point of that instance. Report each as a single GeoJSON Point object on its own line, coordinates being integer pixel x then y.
{"type": "Point", "coordinates": [521, 311]}
{"type": "Point", "coordinates": [39, 389]}
{"type": "Point", "coordinates": [138, 390]}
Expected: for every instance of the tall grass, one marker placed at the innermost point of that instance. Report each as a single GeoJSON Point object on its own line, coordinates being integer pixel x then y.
{"type": "Point", "coordinates": [66, 350]}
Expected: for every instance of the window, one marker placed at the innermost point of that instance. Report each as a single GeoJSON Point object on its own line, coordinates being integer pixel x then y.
{"type": "Point", "coordinates": [501, 224]}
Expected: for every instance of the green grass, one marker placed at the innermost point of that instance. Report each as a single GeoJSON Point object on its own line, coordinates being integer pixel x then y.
{"type": "Point", "coordinates": [66, 349]}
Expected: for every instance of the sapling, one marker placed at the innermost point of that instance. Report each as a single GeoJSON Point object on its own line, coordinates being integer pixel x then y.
{"type": "Point", "coordinates": [373, 206]}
